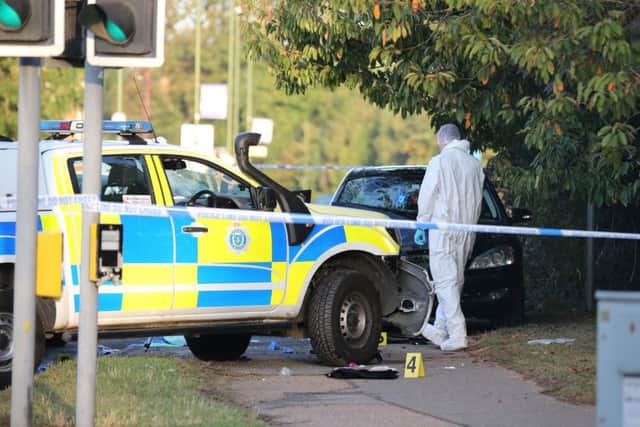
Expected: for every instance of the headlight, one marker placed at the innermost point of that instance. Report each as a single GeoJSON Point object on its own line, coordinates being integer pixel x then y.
{"type": "Point", "coordinates": [496, 257]}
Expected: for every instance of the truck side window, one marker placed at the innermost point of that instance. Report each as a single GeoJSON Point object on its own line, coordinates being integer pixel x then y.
{"type": "Point", "coordinates": [197, 183]}
{"type": "Point", "coordinates": [123, 177]}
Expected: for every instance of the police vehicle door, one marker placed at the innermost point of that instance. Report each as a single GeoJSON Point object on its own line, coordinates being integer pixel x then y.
{"type": "Point", "coordinates": [222, 265]}
{"type": "Point", "coordinates": [146, 289]}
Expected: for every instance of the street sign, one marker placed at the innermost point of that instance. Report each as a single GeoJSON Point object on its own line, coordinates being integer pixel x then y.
{"type": "Point", "coordinates": [198, 137]}
{"type": "Point", "coordinates": [264, 127]}
{"type": "Point", "coordinates": [213, 101]}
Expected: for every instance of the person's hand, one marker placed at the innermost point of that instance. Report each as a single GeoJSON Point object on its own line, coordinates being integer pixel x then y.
{"type": "Point", "coordinates": [420, 238]}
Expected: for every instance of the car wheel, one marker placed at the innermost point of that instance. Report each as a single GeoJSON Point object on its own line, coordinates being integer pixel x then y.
{"type": "Point", "coordinates": [218, 346]}
{"type": "Point", "coordinates": [6, 338]}
{"type": "Point", "coordinates": [344, 318]}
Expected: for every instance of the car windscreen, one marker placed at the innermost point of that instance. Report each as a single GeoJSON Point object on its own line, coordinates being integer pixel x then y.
{"type": "Point", "coordinates": [397, 193]}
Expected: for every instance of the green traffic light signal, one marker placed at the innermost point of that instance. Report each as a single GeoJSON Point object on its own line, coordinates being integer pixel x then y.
{"type": "Point", "coordinates": [115, 32]}
{"type": "Point", "coordinates": [124, 33]}
{"type": "Point", "coordinates": [13, 14]}
{"type": "Point", "coordinates": [33, 28]}
{"type": "Point", "coordinates": [113, 23]}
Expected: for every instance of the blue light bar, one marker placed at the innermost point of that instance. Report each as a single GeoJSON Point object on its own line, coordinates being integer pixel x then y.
{"type": "Point", "coordinates": [128, 127]}
{"type": "Point", "coordinates": [68, 127]}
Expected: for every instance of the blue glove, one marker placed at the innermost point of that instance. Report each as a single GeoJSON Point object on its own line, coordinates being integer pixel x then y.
{"type": "Point", "coordinates": [420, 238]}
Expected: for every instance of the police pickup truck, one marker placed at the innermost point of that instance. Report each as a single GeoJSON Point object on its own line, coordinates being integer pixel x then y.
{"type": "Point", "coordinates": [215, 280]}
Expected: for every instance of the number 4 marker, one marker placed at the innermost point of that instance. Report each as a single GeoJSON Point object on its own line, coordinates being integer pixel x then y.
{"type": "Point", "coordinates": [413, 366]}
{"type": "Point", "coordinates": [382, 341]}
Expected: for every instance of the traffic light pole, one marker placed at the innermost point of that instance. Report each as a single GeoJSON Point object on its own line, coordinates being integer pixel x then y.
{"type": "Point", "coordinates": [88, 326]}
{"type": "Point", "coordinates": [24, 290]}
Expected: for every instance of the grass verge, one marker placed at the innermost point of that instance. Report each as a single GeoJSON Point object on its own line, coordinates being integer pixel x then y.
{"type": "Point", "coordinates": [134, 391]}
{"type": "Point", "coordinates": [564, 371]}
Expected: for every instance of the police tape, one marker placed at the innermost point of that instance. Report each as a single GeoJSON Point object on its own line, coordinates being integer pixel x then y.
{"type": "Point", "coordinates": [92, 203]}
{"type": "Point", "coordinates": [304, 167]}
{"type": "Point", "coordinates": [50, 202]}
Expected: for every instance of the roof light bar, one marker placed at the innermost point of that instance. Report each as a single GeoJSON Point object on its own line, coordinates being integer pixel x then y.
{"type": "Point", "coordinates": [126, 127]}
{"type": "Point", "coordinates": [68, 127]}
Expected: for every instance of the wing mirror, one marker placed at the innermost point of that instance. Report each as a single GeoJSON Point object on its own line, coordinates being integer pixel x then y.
{"type": "Point", "coordinates": [304, 195]}
{"type": "Point", "coordinates": [265, 198]}
{"type": "Point", "coordinates": [519, 215]}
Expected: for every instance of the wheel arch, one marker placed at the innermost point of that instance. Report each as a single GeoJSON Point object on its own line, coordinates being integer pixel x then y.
{"type": "Point", "coordinates": [372, 267]}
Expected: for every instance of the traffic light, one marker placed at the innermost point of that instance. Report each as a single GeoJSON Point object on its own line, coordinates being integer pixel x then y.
{"type": "Point", "coordinates": [124, 33]}
{"type": "Point", "coordinates": [31, 27]}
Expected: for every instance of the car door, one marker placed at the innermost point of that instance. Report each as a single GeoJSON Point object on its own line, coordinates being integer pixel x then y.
{"type": "Point", "coordinates": [222, 265]}
{"type": "Point", "coordinates": [145, 291]}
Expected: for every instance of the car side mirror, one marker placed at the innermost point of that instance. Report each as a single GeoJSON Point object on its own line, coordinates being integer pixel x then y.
{"type": "Point", "coordinates": [519, 215]}
{"type": "Point", "coordinates": [265, 198]}
{"type": "Point", "coordinates": [304, 195]}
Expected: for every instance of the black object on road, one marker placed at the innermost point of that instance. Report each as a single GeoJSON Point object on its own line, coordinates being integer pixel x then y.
{"type": "Point", "coordinates": [364, 372]}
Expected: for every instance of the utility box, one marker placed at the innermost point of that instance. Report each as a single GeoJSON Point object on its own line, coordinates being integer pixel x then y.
{"type": "Point", "coordinates": [618, 375]}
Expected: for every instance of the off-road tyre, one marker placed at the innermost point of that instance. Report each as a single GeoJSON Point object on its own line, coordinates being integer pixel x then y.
{"type": "Point", "coordinates": [6, 337]}
{"type": "Point", "coordinates": [218, 346]}
{"type": "Point", "coordinates": [344, 318]}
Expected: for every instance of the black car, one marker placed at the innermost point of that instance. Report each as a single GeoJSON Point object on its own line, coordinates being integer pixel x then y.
{"type": "Point", "coordinates": [493, 280]}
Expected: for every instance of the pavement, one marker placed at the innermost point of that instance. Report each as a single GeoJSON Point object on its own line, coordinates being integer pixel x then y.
{"type": "Point", "coordinates": [281, 380]}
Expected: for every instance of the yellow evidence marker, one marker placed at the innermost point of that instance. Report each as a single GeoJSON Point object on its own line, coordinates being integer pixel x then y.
{"type": "Point", "coordinates": [382, 341]}
{"type": "Point", "coordinates": [413, 366]}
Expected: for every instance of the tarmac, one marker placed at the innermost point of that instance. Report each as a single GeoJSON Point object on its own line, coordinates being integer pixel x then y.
{"type": "Point", "coordinates": [281, 380]}
{"type": "Point", "coordinates": [456, 390]}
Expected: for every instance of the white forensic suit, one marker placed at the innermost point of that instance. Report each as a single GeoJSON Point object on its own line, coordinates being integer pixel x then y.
{"type": "Point", "coordinates": [451, 192]}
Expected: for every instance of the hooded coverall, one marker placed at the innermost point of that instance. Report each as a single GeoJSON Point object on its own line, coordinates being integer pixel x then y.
{"type": "Point", "coordinates": [451, 192]}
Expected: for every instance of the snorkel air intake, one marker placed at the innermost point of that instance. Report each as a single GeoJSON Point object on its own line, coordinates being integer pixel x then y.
{"type": "Point", "coordinates": [288, 201]}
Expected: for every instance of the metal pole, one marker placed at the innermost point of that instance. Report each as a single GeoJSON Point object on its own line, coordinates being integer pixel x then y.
{"type": "Point", "coordinates": [306, 139]}
{"type": "Point", "coordinates": [236, 71]}
{"type": "Point", "coordinates": [146, 92]}
{"type": "Point", "coordinates": [196, 89]}
{"type": "Point", "coordinates": [230, 77]}
{"type": "Point", "coordinates": [24, 290]}
{"type": "Point", "coordinates": [88, 327]}
{"type": "Point", "coordinates": [120, 89]}
{"type": "Point", "coordinates": [588, 286]}
{"type": "Point", "coordinates": [249, 106]}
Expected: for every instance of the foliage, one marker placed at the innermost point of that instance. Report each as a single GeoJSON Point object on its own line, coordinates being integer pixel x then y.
{"type": "Point", "coordinates": [60, 93]}
{"type": "Point", "coordinates": [552, 87]}
{"type": "Point", "coordinates": [8, 97]}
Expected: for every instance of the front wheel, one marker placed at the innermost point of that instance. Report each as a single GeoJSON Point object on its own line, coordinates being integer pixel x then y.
{"type": "Point", "coordinates": [344, 318]}
{"type": "Point", "coordinates": [218, 346]}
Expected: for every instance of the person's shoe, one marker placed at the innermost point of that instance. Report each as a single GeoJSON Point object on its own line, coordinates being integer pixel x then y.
{"type": "Point", "coordinates": [435, 335]}
{"type": "Point", "coordinates": [454, 344]}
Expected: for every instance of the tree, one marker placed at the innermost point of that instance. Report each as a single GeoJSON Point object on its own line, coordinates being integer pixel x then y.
{"type": "Point", "coordinates": [551, 86]}
{"type": "Point", "coordinates": [60, 94]}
